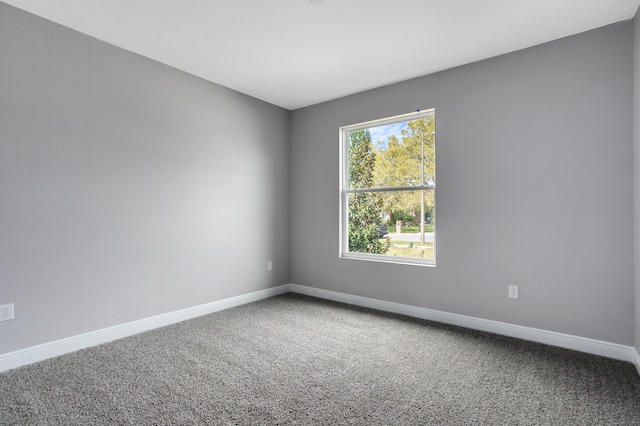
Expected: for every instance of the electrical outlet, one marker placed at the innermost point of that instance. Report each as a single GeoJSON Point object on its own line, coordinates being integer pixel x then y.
{"type": "Point", "coordinates": [269, 266]}
{"type": "Point", "coordinates": [513, 292]}
{"type": "Point", "coordinates": [6, 312]}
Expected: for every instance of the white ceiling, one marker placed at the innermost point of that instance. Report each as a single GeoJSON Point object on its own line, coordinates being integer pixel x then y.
{"type": "Point", "coordinates": [295, 53]}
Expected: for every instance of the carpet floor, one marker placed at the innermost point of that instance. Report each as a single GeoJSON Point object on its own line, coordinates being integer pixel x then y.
{"type": "Point", "coordinates": [293, 359]}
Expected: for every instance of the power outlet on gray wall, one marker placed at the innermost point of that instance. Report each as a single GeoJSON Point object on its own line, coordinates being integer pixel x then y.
{"type": "Point", "coordinates": [6, 312]}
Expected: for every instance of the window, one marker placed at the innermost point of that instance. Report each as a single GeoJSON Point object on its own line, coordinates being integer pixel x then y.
{"type": "Point", "coordinates": [387, 195]}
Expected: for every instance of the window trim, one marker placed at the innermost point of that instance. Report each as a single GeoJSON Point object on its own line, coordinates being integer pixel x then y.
{"type": "Point", "coordinates": [344, 191]}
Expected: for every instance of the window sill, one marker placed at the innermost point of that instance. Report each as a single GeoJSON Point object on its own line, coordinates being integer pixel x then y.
{"type": "Point", "coordinates": [398, 260]}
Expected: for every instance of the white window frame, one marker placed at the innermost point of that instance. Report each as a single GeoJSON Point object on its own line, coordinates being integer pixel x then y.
{"type": "Point", "coordinates": [345, 191]}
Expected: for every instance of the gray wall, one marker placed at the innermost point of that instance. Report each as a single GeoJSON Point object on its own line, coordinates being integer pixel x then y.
{"type": "Point", "coordinates": [535, 183]}
{"type": "Point", "coordinates": [127, 188]}
{"type": "Point", "coordinates": [636, 152]}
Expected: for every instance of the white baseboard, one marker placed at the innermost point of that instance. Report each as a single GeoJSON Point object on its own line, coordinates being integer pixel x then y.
{"type": "Point", "coordinates": [636, 359]}
{"type": "Point", "coordinates": [582, 344]}
{"type": "Point", "coordinates": [60, 347]}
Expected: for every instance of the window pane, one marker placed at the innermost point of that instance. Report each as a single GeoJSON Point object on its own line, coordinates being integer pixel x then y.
{"type": "Point", "coordinates": [389, 223]}
{"type": "Point", "coordinates": [361, 160]}
{"type": "Point", "coordinates": [392, 155]}
{"type": "Point", "coordinates": [365, 230]}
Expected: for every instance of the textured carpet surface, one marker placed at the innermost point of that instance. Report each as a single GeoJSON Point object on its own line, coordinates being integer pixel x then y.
{"type": "Point", "coordinates": [297, 360]}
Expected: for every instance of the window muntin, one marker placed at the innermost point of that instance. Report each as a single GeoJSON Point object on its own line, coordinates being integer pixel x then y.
{"type": "Point", "coordinates": [388, 175]}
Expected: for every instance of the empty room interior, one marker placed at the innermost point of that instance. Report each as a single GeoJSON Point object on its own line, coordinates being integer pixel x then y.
{"type": "Point", "coordinates": [169, 162]}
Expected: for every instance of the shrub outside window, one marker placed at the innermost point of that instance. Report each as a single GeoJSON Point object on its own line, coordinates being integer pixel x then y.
{"type": "Point", "coordinates": [387, 189]}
